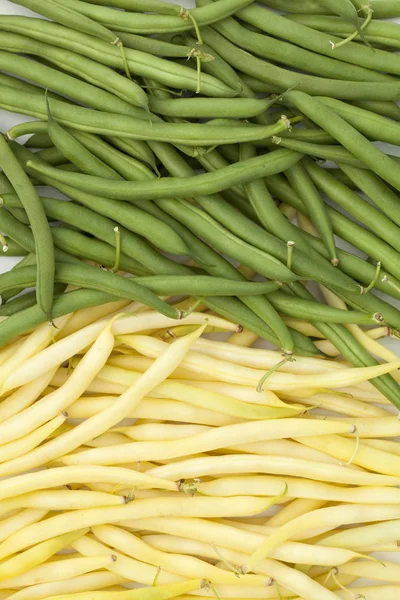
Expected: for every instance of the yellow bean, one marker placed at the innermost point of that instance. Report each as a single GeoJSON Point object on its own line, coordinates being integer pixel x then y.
{"type": "Point", "coordinates": [20, 520]}
{"type": "Point", "coordinates": [302, 326]}
{"type": "Point", "coordinates": [342, 404]}
{"type": "Point", "coordinates": [245, 339]}
{"type": "Point", "coordinates": [86, 316]}
{"type": "Point", "coordinates": [24, 396]}
{"type": "Point", "coordinates": [296, 508]}
{"type": "Point", "coordinates": [367, 535]}
{"type": "Point", "coordinates": [24, 444]}
{"type": "Point", "coordinates": [380, 571]}
{"type": "Point", "coordinates": [181, 505]}
{"type": "Point", "coordinates": [80, 583]}
{"type": "Point", "coordinates": [278, 465]}
{"type": "Point", "coordinates": [160, 431]}
{"type": "Point", "coordinates": [38, 554]}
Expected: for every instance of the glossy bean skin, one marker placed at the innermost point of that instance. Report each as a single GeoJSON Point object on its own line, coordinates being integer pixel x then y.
{"type": "Point", "coordinates": [43, 240]}
{"type": "Point", "coordinates": [78, 65]}
{"type": "Point", "coordinates": [348, 136]}
{"type": "Point", "coordinates": [139, 63]}
{"type": "Point", "coordinates": [150, 24]}
{"type": "Point", "coordinates": [283, 79]}
{"type": "Point", "coordinates": [90, 277]}
{"type": "Point", "coordinates": [203, 108]}
{"type": "Point", "coordinates": [283, 52]}
{"type": "Point", "coordinates": [383, 9]}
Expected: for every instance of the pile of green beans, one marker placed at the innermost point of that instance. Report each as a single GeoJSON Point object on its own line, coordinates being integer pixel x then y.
{"type": "Point", "coordinates": [190, 146]}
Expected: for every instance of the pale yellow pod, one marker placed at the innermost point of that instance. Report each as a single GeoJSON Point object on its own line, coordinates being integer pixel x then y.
{"type": "Point", "coordinates": [18, 521]}
{"type": "Point", "coordinates": [86, 316]}
{"type": "Point", "coordinates": [181, 505]}
{"type": "Point", "coordinates": [136, 362]}
{"type": "Point", "coordinates": [302, 326]}
{"type": "Point", "coordinates": [24, 396]}
{"type": "Point", "coordinates": [342, 404]}
{"type": "Point", "coordinates": [364, 536]}
{"type": "Point", "coordinates": [245, 339]}
{"type": "Point", "coordinates": [30, 441]}
{"type": "Point", "coordinates": [296, 508]}
{"type": "Point", "coordinates": [380, 571]}
{"type": "Point", "coordinates": [38, 554]}
{"type": "Point", "coordinates": [59, 476]}
{"type": "Point", "coordinates": [81, 583]}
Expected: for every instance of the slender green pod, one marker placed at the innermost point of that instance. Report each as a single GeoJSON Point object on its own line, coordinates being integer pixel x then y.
{"type": "Point", "coordinates": [204, 108]}
{"type": "Point", "coordinates": [334, 25]}
{"type": "Point", "coordinates": [382, 226]}
{"type": "Point", "coordinates": [27, 300]}
{"type": "Point", "coordinates": [44, 248]}
{"type": "Point", "coordinates": [78, 65]}
{"type": "Point", "coordinates": [383, 9]}
{"type": "Point", "coordinates": [333, 153]}
{"type": "Point", "coordinates": [14, 249]}
{"type": "Point", "coordinates": [156, 6]}
{"type": "Point", "coordinates": [285, 79]}
{"type": "Point", "coordinates": [135, 148]}
{"type": "Point", "coordinates": [154, 45]}
{"type": "Point", "coordinates": [391, 110]}
{"type": "Point", "coordinates": [348, 136]}
{"type": "Point", "coordinates": [381, 194]}
{"type": "Point", "coordinates": [303, 184]}
{"type": "Point", "coordinates": [150, 24]}
{"type": "Point", "coordinates": [207, 183]}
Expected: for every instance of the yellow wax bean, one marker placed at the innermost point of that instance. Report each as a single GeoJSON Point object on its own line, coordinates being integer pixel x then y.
{"type": "Point", "coordinates": [297, 488]}
{"type": "Point", "coordinates": [9, 350]}
{"type": "Point", "coordinates": [56, 402]}
{"type": "Point", "coordinates": [80, 583]}
{"type": "Point", "coordinates": [140, 364]}
{"type": "Point", "coordinates": [193, 536]}
{"type": "Point", "coordinates": [290, 552]}
{"type": "Point", "coordinates": [379, 592]}
{"type": "Point", "coordinates": [302, 326]}
{"type": "Point", "coordinates": [294, 509]}
{"type": "Point", "coordinates": [152, 408]}
{"type": "Point", "coordinates": [181, 505]}
{"type": "Point", "coordinates": [59, 570]}
{"type": "Point", "coordinates": [32, 440]}
{"type": "Point", "coordinates": [151, 593]}
{"type": "Point", "coordinates": [231, 464]}
{"type": "Point", "coordinates": [161, 431]}
{"type": "Point", "coordinates": [187, 566]}
{"type": "Point", "coordinates": [39, 339]}
{"type": "Point", "coordinates": [4, 594]}
{"type": "Point", "coordinates": [245, 339]}
{"type": "Point", "coordinates": [320, 521]}
{"type": "Point", "coordinates": [96, 425]}
{"type": "Point", "coordinates": [327, 348]}
{"type": "Point", "coordinates": [292, 579]}
{"type": "Point", "coordinates": [131, 569]}
{"type": "Point", "coordinates": [62, 350]}
{"type": "Point", "coordinates": [41, 480]}
{"type": "Point", "coordinates": [86, 316]}
{"type": "Point", "coordinates": [24, 396]}
{"type": "Point", "coordinates": [385, 445]}
{"type": "Point", "coordinates": [258, 358]}
{"type": "Point", "coordinates": [367, 535]}
{"type": "Point", "coordinates": [364, 456]}
{"type": "Point", "coordinates": [207, 441]}
{"type": "Point", "coordinates": [188, 393]}
{"type": "Point", "coordinates": [20, 520]}
{"type": "Point", "coordinates": [229, 372]}
{"type": "Point", "coordinates": [388, 426]}
{"type": "Point", "coordinates": [380, 571]}
{"type": "Point", "coordinates": [37, 554]}
{"type": "Point", "coordinates": [107, 439]}
{"type": "Point", "coordinates": [342, 404]}
{"type": "Point", "coordinates": [60, 500]}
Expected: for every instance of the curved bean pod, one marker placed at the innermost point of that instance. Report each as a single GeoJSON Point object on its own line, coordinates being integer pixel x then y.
{"type": "Point", "coordinates": [44, 248]}
{"type": "Point", "coordinates": [334, 153]}
{"type": "Point", "coordinates": [383, 9]}
{"type": "Point", "coordinates": [207, 183]}
{"type": "Point", "coordinates": [203, 108]}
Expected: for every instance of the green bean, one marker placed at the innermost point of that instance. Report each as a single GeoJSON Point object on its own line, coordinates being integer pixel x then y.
{"type": "Point", "coordinates": [358, 236]}
{"type": "Point", "coordinates": [303, 184]}
{"type": "Point", "coordinates": [153, 45]}
{"type": "Point", "coordinates": [289, 54]}
{"type": "Point", "coordinates": [386, 109]}
{"type": "Point", "coordinates": [203, 108]}
{"type": "Point", "coordinates": [14, 249]}
{"type": "Point", "coordinates": [381, 194]}
{"type": "Point", "coordinates": [359, 269]}
{"type": "Point", "coordinates": [312, 136]}
{"type": "Point", "coordinates": [82, 275]}
{"type": "Point", "coordinates": [20, 214]}
{"type": "Point", "coordinates": [303, 309]}
{"type": "Point", "coordinates": [207, 183]}
{"type": "Point", "coordinates": [149, 23]}
{"type": "Point", "coordinates": [336, 26]}
{"type": "Point", "coordinates": [70, 18]}
{"type": "Point", "coordinates": [348, 136]}
{"type": "Point", "coordinates": [203, 285]}
{"type": "Point", "coordinates": [383, 9]}
{"type": "Point", "coordinates": [260, 87]}
{"type": "Point", "coordinates": [341, 176]}
{"type": "Point", "coordinates": [95, 121]}
{"type": "Point", "coordinates": [157, 6]}
{"type": "Point", "coordinates": [82, 246]}
{"type": "Point", "coordinates": [375, 127]}
{"type": "Point", "coordinates": [27, 300]}
{"type": "Point", "coordinates": [138, 63]}
{"type": "Point", "coordinates": [306, 37]}
{"type": "Point", "coordinates": [64, 83]}
{"type": "Point", "coordinates": [43, 240]}
{"type": "Point", "coordinates": [381, 225]}
{"type": "Point", "coordinates": [53, 156]}
{"type": "Point", "coordinates": [326, 152]}
{"type": "Point", "coordinates": [76, 64]}
{"type": "Point", "coordinates": [284, 79]}
{"type": "Point", "coordinates": [134, 148]}
{"type": "Point", "coordinates": [39, 140]}
{"type": "Point", "coordinates": [372, 303]}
